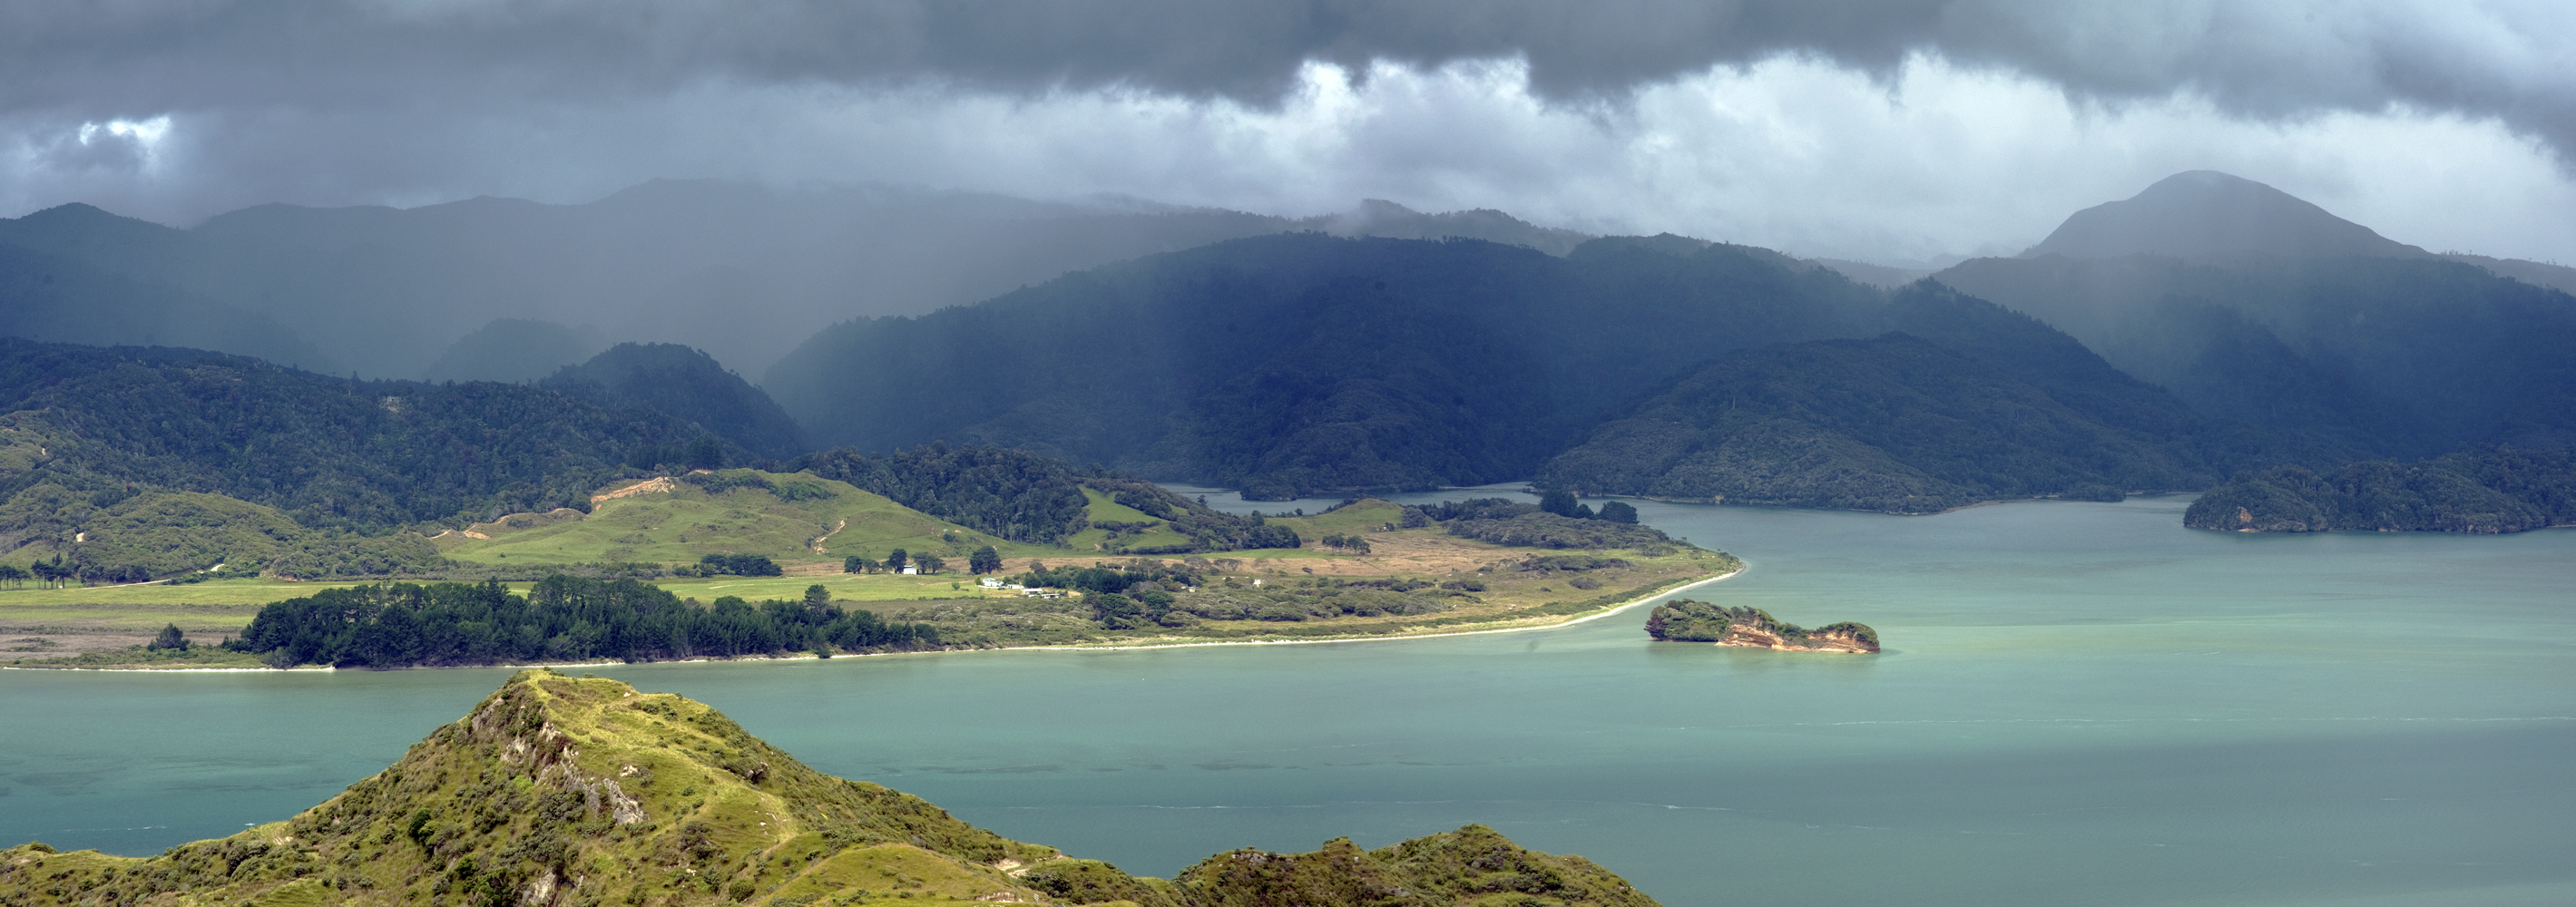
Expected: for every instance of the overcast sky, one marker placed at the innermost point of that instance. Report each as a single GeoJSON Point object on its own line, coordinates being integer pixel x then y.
{"type": "Point", "coordinates": [1885, 130]}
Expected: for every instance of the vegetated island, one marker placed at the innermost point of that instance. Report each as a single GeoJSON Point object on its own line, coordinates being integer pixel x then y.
{"type": "Point", "coordinates": [556, 791]}
{"type": "Point", "coordinates": [1690, 620]}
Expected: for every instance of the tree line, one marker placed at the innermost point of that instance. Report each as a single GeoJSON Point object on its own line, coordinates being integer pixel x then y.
{"type": "Point", "coordinates": [2490, 489]}
{"type": "Point", "coordinates": [1027, 497]}
{"type": "Point", "coordinates": [563, 618]}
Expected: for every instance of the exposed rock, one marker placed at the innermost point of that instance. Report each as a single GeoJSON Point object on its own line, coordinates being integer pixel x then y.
{"type": "Point", "coordinates": [1688, 620]}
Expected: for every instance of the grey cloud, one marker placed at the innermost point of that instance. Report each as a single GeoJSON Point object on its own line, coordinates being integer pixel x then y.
{"type": "Point", "coordinates": [2266, 58]}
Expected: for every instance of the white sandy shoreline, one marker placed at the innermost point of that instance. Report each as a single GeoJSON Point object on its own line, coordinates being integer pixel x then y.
{"type": "Point", "coordinates": [1105, 647]}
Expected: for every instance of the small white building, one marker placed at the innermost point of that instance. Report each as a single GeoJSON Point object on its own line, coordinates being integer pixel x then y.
{"type": "Point", "coordinates": [990, 582]}
{"type": "Point", "coordinates": [910, 570]}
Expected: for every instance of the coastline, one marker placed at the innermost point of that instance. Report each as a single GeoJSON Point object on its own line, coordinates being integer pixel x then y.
{"type": "Point", "coordinates": [1102, 647]}
{"type": "Point", "coordinates": [1595, 615]}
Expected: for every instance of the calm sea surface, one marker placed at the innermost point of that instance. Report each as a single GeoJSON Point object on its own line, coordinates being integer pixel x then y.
{"type": "Point", "coordinates": [2081, 704]}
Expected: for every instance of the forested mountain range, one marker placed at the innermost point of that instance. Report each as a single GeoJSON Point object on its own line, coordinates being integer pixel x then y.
{"type": "Point", "coordinates": [1961, 401]}
{"type": "Point", "coordinates": [1290, 364]}
{"type": "Point", "coordinates": [2208, 326]}
{"type": "Point", "coordinates": [366, 456]}
{"type": "Point", "coordinates": [2249, 304]}
{"type": "Point", "coordinates": [1305, 361]}
{"type": "Point", "coordinates": [133, 463]}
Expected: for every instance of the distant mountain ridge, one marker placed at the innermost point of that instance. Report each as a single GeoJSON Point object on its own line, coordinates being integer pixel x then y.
{"type": "Point", "coordinates": [1303, 361]}
{"type": "Point", "coordinates": [2205, 212]}
{"type": "Point", "coordinates": [1299, 364]}
{"type": "Point", "coordinates": [737, 270]}
{"type": "Point", "coordinates": [1985, 404]}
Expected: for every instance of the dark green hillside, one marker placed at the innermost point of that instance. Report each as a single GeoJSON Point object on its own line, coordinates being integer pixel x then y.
{"type": "Point", "coordinates": [1025, 497]}
{"type": "Point", "coordinates": [2486, 490]}
{"type": "Point", "coordinates": [2000, 406]}
{"type": "Point", "coordinates": [1298, 362]}
{"type": "Point", "coordinates": [686, 384]}
{"type": "Point", "coordinates": [2367, 356]}
{"type": "Point", "coordinates": [331, 452]}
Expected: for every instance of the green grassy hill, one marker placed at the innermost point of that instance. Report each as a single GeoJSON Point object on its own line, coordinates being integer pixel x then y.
{"type": "Point", "coordinates": [146, 533]}
{"type": "Point", "coordinates": [791, 518]}
{"type": "Point", "coordinates": [1118, 525]}
{"type": "Point", "coordinates": [557, 791]}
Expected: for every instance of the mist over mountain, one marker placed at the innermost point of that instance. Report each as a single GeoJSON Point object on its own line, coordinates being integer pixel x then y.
{"type": "Point", "coordinates": [1297, 363]}
{"type": "Point", "coordinates": [60, 296]}
{"type": "Point", "coordinates": [515, 349]}
{"type": "Point", "coordinates": [1885, 277]}
{"type": "Point", "coordinates": [2205, 212]}
{"type": "Point", "coordinates": [462, 290]}
{"type": "Point", "coordinates": [2252, 305]}
{"type": "Point", "coordinates": [1379, 217]}
{"type": "Point", "coordinates": [2207, 325]}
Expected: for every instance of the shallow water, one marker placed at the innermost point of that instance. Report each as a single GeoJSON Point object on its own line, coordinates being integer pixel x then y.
{"type": "Point", "coordinates": [2081, 704]}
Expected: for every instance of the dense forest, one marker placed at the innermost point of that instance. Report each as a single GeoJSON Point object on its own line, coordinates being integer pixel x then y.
{"type": "Point", "coordinates": [1341, 364]}
{"type": "Point", "coordinates": [2486, 490]}
{"type": "Point", "coordinates": [1027, 497]}
{"type": "Point", "coordinates": [366, 456]}
{"type": "Point", "coordinates": [2344, 357]}
{"type": "Point", "coordinates": [562, 619]}
{"type": "Point", "coordinates": [686, 384]}
{"type": "Point", "coordinates": [1991, 405]}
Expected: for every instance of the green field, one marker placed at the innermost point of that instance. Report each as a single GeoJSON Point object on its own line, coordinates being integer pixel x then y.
{"type": "Point", "coordinates": [1369, 515]}
{"type": "Point", "coordinates": [1101, 509]}
{"type": "Point", "coordinates": [682, 522]}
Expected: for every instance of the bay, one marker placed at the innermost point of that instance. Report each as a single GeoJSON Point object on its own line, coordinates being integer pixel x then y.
{"type": "Point", "coordinates": [2080, 704]}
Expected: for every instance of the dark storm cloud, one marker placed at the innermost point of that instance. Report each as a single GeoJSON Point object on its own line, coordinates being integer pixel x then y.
{"type": "Point", "coordinates": [139, 57]}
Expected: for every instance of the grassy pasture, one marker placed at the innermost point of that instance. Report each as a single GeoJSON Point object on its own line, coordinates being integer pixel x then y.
{"type": "Point", "coordinates": [1103, 509]}
{"type": "Point", "coordinates": [817, 522]}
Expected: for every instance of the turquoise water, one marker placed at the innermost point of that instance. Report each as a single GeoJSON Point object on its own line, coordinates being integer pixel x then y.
{"type": "Point", "coordinates": [2081, 704]}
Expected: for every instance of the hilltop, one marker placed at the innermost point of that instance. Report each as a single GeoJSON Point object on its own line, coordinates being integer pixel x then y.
{"type": "Point", "coordinates": [2205, 212]}
{"type": "Point", "coordinates": [556, 791]}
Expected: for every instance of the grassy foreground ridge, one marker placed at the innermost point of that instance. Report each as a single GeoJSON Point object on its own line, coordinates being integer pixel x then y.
{"type": "Point", "coordinates": [558, 791]}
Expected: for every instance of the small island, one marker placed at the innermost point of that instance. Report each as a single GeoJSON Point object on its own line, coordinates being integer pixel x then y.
{"type": "Point", "coordinates": [1690, 620]}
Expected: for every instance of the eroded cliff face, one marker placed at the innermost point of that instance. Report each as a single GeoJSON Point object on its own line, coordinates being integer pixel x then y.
{"type": "Point", "coordinates": [1820, 640]}
{"type": "Point", "coordinates": [1689, 620]}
